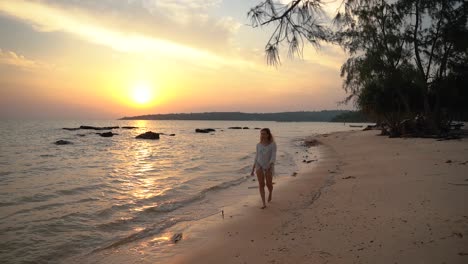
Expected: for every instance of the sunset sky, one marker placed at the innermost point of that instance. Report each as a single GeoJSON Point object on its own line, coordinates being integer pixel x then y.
{"type": "Point", "coordinates": [108, 59]}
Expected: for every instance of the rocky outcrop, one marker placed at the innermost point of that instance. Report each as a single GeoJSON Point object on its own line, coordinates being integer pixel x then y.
{"type": "Point", "coordinates": [62, 142]}
{"type": "Point", "coordinates": [107, 134]}
{"type": "Point", "coordinates": [91, 128]}
{"type": "Point", "coordinates": [204, 130]}
{"type": "Point", "coordinates": [148, 135]}
{"type": "Point", "coordinates": [98, 128]}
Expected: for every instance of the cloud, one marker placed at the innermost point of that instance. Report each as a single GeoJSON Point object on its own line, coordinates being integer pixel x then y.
{"type": "Point", "coordinates": [13, 59]}
{"type": "Point", "coordinates": [185, 22]}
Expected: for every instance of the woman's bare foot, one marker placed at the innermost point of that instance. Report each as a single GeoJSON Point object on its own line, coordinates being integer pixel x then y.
{"type": "Point", "coordinates": [263, 207]}
{"type": "Point", "coordinates": [269, 197]}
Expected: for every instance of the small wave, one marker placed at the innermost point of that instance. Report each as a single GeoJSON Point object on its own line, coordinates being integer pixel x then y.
{"type": "Point", "coordinates": [194, 168]}
{"type": "Point", "coordinates": [5, 173]}
{"type": "Point", "coordinates": [147, 232]}
{"type": "Point", "coordinates": [111, 210]}
{"type": "Point", "coordinates": [3, 204]}
{"type": "Point", "coordinates": [246, 157]}
{"type": "Point", "coordinates": [80, 189]}
{"type": "Point", "coordinates": [165, 207]}
{"type": "Point", "coordinates": [38, 197]}
{"type": "Point", "coordinates": [47, 206]}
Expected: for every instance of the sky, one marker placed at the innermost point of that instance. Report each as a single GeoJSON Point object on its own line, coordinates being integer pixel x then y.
{"type": "Point", "coordinates": [66, 59]}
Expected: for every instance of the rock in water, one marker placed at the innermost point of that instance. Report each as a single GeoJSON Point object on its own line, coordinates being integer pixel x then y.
{"type": "Point", "coordinates": [106, 134]}
{"type": "Point", "coordinates": [204, 130]}
{"type": "Point", "coordinates": [176, 237]}
{"type": "Point", "coordinates": [148, 135]}
{"type": "Point", "coordinates": [62, 142]}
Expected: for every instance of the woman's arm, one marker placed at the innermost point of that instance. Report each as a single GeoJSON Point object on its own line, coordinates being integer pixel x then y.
{"type": "Point", "coordinates": [273, 154]}
{"type": "Point", "coordinates": [255, 161]}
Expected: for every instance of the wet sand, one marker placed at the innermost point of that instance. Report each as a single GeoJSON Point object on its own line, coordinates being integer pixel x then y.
{"type": "Point", "coordinates": [369, 199]}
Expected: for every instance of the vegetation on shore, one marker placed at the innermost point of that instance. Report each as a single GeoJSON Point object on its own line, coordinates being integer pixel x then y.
{"type": "Point", "coordinates": [408, 59]}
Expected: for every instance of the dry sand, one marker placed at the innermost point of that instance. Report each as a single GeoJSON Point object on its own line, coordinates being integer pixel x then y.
{"type": "Point", "coordinates": [370, 199]}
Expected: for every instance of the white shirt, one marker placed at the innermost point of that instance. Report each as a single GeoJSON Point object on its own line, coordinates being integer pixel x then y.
{"type": "Point", "coordinates": [266, 155]}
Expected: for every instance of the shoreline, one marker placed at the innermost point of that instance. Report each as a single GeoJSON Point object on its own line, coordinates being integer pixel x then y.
{"type": "Point", "coordinates": [237, 202]}
{"type": "Point", "coordinates": [369, 199]}
{"type": "Point", "coordinates": [387, 201]}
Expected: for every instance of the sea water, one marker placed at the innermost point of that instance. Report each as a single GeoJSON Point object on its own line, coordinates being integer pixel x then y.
{"type": "Point", "coordinates": [60, 201]}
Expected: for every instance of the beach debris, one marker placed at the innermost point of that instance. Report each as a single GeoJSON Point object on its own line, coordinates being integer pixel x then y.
{"type": "Point", "coordinates": [148, 135]}
{"type": "Point", "coordinates": [308, 161]}
{"type": "Point", "coordinates": [448, 161]}
{"type": "Point", "coordinates": [176, 237]}
{"type": "Point", "coordinates": [107, 134]}
{"type": "Point", "coordinates": [62, 142]}
{"type": "Point", "coordinates": [245, 128]}
{"type": "Point", "coordinates": [348, 177]}
{"type": "Point", "coordinates": [204, 130]}
{"type": "Point", "coordinates": [311, 142]}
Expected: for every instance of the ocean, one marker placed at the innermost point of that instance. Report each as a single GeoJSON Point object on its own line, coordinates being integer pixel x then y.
{"type": "Point", "coordinates": [59, 202]}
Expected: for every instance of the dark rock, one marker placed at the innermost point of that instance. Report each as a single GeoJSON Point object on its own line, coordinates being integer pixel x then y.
{"type": "Point", "coordinates": [204, 130]}
{"type": "Point", "coordinates": [90, 128]}
{"type": "Point", "coordinates": [257, 128]}
{"type": "Point", "coordinates": [176, 237]}
{"type": "Point", "coordinates": [63, 142]}
{"type": "Point", "coordinates": [235, 128]}
{"type": "Point", "coordinates": [448, 161]}
{"type": "Point", "coordinates": [245, 128]}
{"type": "Point", "coordinates": [107, 134]}
{"type": "Point", "coordinates": [148, 135]}
{"type": "Point", "coordinates": [98, 128]}
{"type": "Point", "coordinates": [129, 127]}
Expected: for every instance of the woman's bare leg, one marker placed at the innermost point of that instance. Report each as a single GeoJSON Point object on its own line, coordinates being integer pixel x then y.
{"type": "Point", "coordinates": [269, 183]}
{"type": "Point", "coordinates": [261, 185]}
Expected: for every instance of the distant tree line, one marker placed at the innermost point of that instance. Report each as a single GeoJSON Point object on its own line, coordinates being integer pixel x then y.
{"type": "Point", "coordinates": [352, 117]}
{"type": "Point", "coordinates": [408, 59]}
{"type": "Point", "coordinates": [304, 116]}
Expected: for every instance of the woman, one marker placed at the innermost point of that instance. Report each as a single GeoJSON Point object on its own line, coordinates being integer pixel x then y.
{"type": "Point", "coordinates": [264, 163]}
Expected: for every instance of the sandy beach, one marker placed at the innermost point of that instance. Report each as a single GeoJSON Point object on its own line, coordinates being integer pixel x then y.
{"type": "Point", "coordinates": [369, 199]}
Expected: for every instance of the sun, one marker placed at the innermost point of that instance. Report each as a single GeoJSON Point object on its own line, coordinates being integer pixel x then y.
{"type": "Point", "coordinates": [141, 93]}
